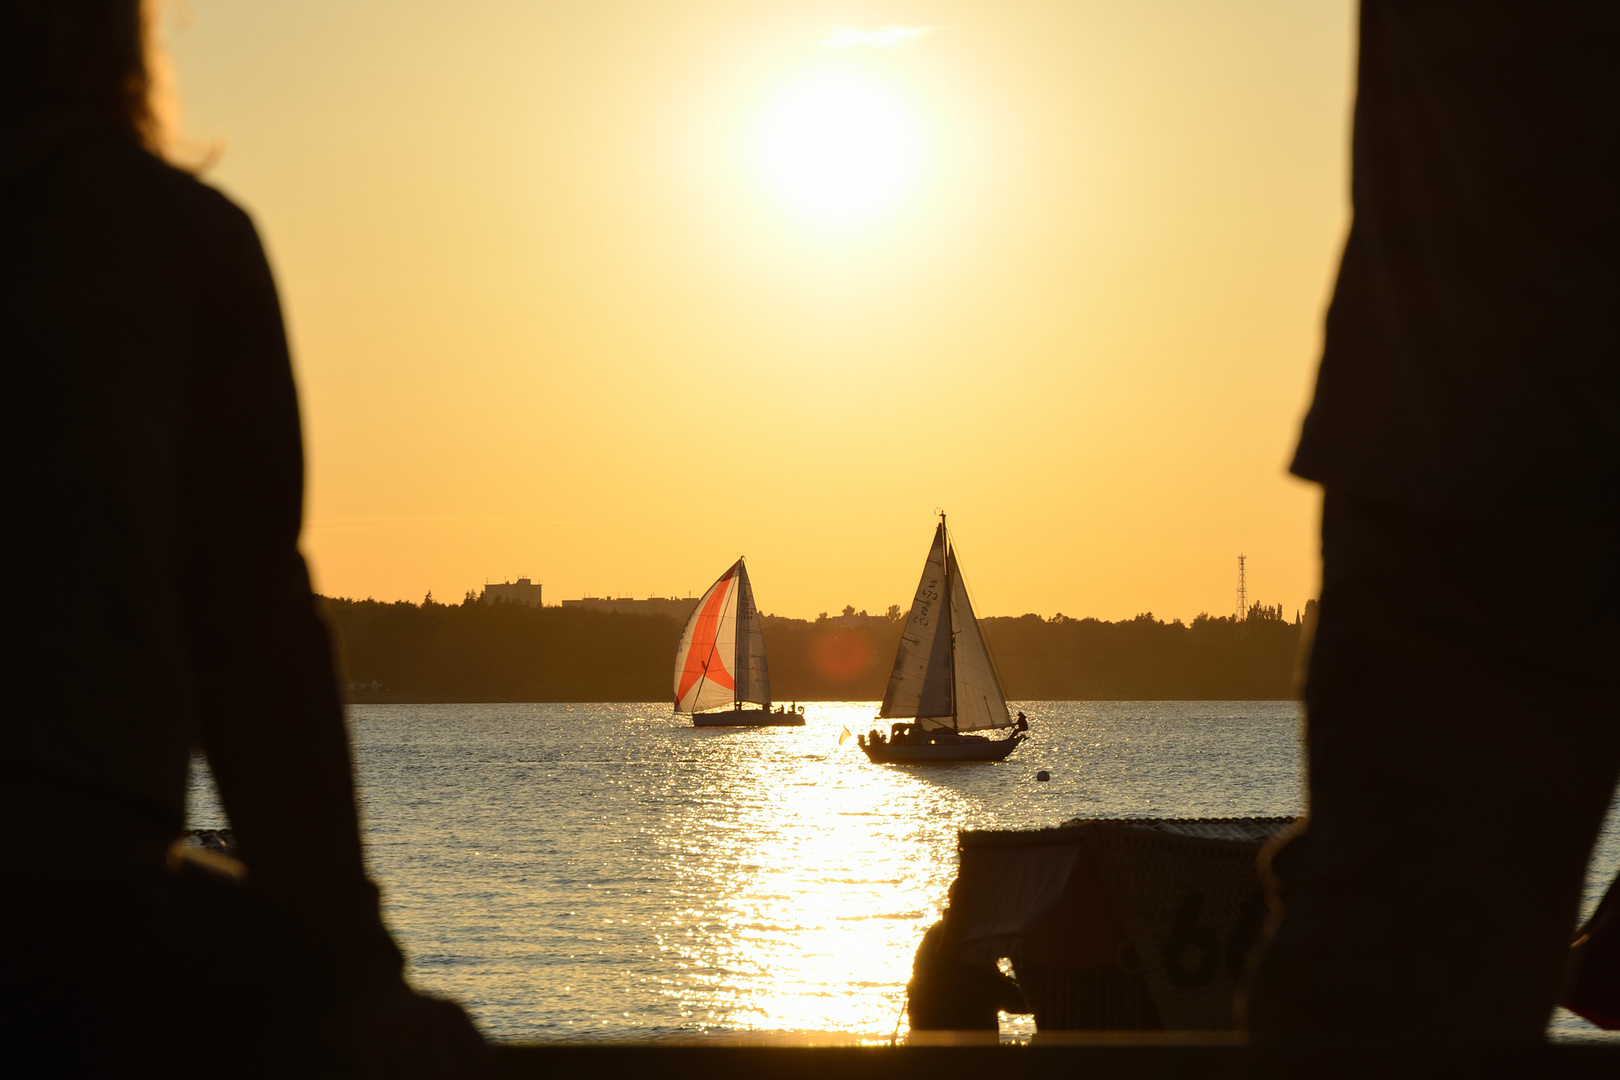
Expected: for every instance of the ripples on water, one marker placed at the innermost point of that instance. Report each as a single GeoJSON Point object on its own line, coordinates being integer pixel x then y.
{"type": "Point", "coordinates": [610, 872]}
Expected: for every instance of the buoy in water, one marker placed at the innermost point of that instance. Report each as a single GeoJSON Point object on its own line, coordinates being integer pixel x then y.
{"type": "Point", "coordinates": [1043, 775]}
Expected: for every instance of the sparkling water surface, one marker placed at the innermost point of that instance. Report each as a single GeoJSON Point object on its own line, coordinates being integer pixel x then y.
{"type": "Point", "coordinates": [610, 872]}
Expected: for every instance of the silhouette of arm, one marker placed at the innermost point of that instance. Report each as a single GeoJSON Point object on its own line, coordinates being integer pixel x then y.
{"type": "Point", "coordinates": [269, 715]}
{"type": "Point", "coordinates": [270, 719]}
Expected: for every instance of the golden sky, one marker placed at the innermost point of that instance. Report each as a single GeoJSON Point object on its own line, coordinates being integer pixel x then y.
{"type": "Point", "coordinates": [608, 293]}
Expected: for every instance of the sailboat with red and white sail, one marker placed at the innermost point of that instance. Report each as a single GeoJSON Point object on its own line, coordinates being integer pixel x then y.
{"type": "Point", "coordinates": [720, 666]}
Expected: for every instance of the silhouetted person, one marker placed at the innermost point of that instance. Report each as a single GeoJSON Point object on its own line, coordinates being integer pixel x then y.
{"type": "Point", "coordinates": [159, 603]}
{"type": "Point", "coordinates": [1462, 737]}
{"type": "Point", "coordinates": [947, 994]}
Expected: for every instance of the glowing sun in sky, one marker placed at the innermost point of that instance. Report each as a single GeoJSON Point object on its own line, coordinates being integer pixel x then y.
{"type": "Point", "coordinates": [839, 147]}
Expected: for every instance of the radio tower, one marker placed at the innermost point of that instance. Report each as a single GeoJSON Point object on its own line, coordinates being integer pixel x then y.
{"type": "Point", "coordinates": [1243, 593]}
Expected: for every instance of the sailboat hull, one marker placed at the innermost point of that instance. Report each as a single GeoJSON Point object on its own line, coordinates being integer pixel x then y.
{"type": "Point", "coordinates": [947, 751]}
{"type": "Point", "coordinates": [748, 718]}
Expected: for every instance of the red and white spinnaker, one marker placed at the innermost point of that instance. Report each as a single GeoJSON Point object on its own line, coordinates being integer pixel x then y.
{"type": "Point", "coordinates": [721, 658]}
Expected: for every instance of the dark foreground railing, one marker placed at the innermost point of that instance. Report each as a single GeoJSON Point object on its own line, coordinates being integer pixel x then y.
{"type": "Point", "coordinates": [1102, 1057]}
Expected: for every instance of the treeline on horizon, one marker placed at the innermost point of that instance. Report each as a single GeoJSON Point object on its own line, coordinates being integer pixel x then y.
{"type": "Point", "coordinates": [476, 652]}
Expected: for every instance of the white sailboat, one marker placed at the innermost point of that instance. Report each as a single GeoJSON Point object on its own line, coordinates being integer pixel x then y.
{"type": "Point", "coordinates": [720, 663]}
{"type": "Point", "coordinates": [944, 682]}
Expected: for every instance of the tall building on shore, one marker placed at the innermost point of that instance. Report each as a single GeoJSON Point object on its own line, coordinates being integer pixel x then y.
{"type": "Point", "coordinates": [521, 591]}
{"type": "Point", "coordinates": [673, 607]}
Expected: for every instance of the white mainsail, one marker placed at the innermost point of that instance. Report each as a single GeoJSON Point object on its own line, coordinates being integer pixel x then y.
{"type": "Point", "coordinates": [980, 703]}
{"type": "Point", "coordinates": [920, 685]}
{"type": "Point", "coordinates": [721, 657]}
{"type": "Point", "coordinates": [753, 676]}
{"type": "Point", "coordinates": [943, 676]}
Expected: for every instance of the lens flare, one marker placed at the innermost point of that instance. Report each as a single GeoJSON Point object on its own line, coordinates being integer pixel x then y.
{"type": "Point", "coordinates": [840, 657]}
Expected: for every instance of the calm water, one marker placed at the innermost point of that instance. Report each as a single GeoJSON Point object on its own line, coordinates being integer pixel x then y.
{"type": "Point", "coordinates": [608, 872]}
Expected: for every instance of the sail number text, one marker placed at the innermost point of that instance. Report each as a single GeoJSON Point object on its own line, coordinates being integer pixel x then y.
{"type": "Point", "coordinates": [927, 593]}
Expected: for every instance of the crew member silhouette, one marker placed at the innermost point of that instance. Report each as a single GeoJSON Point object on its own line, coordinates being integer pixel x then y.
{"type": "Point", "coordinates": [947, 994]}
{"type": "Point", "coordinates": [1462, 736]}
{"type": "Point", "coordinates": [159, 604]}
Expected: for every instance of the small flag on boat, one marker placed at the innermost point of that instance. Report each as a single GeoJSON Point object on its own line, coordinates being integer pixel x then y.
{"type": "Point", "coordinates": [842, 737]}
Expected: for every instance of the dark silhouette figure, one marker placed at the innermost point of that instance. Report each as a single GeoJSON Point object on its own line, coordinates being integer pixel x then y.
{"type": "Point", "coordinates": [1462, 734]}
{"type": "Point", "coordinates": [946, 994]}
{"type": "Point", "coordinates": [154, 483]}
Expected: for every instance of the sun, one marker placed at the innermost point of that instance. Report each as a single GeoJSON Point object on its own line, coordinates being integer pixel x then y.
{"type": "Point", "coordinates": [839, 148]}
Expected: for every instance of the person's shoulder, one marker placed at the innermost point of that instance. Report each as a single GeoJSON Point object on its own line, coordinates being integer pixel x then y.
{"type": "Point", "coordinates": [185, 203]}
{"type": "Point", "coordinates": [110, 176]}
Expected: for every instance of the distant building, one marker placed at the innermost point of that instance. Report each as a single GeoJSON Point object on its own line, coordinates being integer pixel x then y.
{"type": "Point", "coordinates": [521, 591]}
{"type": "Point", "coordinates": [673, 608]}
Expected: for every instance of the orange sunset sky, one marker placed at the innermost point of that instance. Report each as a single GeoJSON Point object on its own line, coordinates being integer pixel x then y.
{"type": "Point", "coordinates": [606, 294]}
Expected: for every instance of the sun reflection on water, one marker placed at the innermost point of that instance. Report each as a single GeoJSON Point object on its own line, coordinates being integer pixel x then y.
{"type": "Point", "coordinates": [826, 871]}
{"type": "Point", "coordinates": [608, 871]}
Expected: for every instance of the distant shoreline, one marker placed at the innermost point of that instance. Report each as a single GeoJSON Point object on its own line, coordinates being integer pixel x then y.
{"type": "Point", "coordinates": [442, 654]}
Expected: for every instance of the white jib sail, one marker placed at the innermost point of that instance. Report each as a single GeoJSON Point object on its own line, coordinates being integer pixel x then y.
{"type": "Point", "coordinates": [753, 677]}
{"type": "Point", "coordinates": [980, 703]}
{"type": "Point", "coordinates": [704, 672]}
{"type": "Point", "coordinates": [920, 685]}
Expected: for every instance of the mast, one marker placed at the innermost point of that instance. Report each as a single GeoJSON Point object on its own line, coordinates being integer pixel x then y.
{"type": "Point", "coordinates": [950, 614]}
{"type": "Point", "coordinates": [739, 650]}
